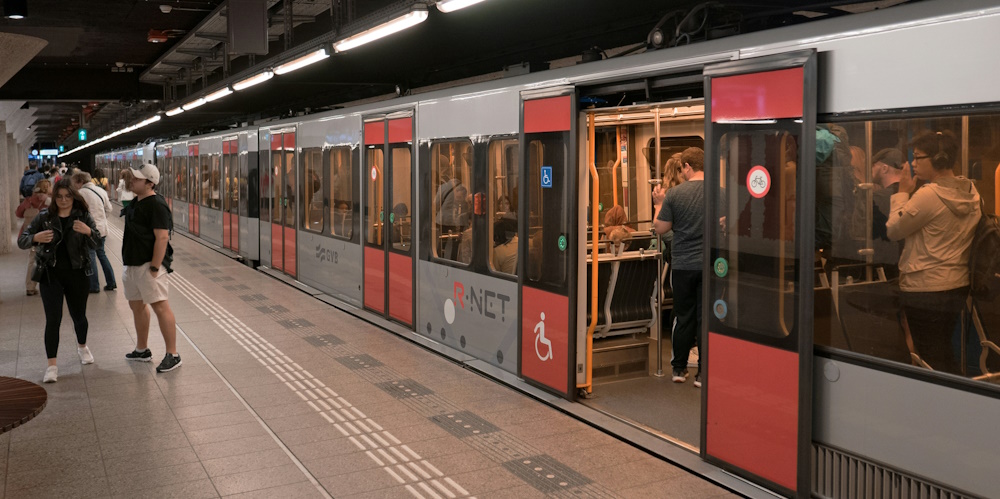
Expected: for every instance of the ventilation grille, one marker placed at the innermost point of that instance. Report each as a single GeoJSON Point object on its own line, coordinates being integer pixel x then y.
{"type": "Point", "coordinates": [838, 475]}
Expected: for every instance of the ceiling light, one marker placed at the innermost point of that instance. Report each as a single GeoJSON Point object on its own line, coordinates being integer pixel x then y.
{"type": "Point", "coordinates": [412, 18]}
{"type": "Point", "coordinates": [193, 104]}
{"type": "Point", "coordinates": [175, 111]}
{"type": "Point", "coordinates": [218, 94]}
{"type": "Point", "coordinates": [303, 61]}
{"type": "Point", "coordinates": [15, 9]}
{"type": "Point", "coordinates": [253, 80]}
{"type": "Point", "coordinates": [453, 5]}
{"type": "Point", "coordinates": [150, 120]}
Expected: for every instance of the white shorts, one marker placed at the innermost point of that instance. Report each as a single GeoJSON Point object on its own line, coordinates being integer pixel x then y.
{"type": "Point", "coordinates": [139, 284]}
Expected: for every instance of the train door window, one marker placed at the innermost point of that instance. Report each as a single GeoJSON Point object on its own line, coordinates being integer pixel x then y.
{"type": "Point", "coordinates": [181, 176]}
{"type": "Point", "coordinates": [275, 180]}
{"type": "Point", "coordinates": [228, 189]}
{"type": "Point", "coordinates": [548, 218]}
{"type": "Point", "coordinates": [215, 183]}
{"type": "Point", "coordinates": [374, 209]}
{"type": "Point", "coordinates": [289, 179]}
{"type": "Point", "coordinates": [266, 191]}
{"type": "Point", "coordinates": [401, 217]}
{"type": "Point", "coordinates": [312, 189]}
{"type": "Point", "coordinates": [503, 178]}
{"type": "Point", "coordinates": [451, 205]}
{"type": "Point", "coordinates": [204, 177]}
{"type": "Point", "coordinates": [341, 192]}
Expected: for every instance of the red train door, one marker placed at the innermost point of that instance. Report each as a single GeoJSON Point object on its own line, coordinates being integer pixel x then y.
{"type": "Point", "coordinates": [757, 338]}
{"type": "Point", "coordinates": [388, 215]}
{"type": "Point", "coordinates": [547, 242]}
{"type": "Point", "coordinates": [284, 210]}
{"type": "Point", "coordinates": [193, 162]}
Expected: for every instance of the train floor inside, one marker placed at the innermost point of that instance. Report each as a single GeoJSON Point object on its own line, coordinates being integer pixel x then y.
{"type": "Point", "coordinates": [654, 403]}
{"type": "Point", "coordinates": [283, 395]}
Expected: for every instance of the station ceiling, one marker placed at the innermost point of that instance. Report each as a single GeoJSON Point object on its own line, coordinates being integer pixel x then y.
{"type": "Point", "coordinates": [100, 67]}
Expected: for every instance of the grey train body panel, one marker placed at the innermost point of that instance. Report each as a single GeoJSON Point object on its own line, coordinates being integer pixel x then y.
{"type": "Point", "coordinates": [330, 265]}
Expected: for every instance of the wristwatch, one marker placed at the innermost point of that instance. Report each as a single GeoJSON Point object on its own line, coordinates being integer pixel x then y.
{"type": "Point", "coordinates": [154, 269]}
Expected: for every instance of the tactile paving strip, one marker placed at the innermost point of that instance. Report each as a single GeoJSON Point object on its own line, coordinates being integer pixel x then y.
{"type": "Point", "coordinates": [546, 474]}
{"type": "Point", "coordinates": [404, 388]}
{"type": "Point", "coordinates": [464, 424]}
{"type": "Point", "coordinates": [322, 340]}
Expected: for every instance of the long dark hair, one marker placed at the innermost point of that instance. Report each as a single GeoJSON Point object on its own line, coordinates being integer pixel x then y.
{"type": "Point", "coordinates": [78, 202]}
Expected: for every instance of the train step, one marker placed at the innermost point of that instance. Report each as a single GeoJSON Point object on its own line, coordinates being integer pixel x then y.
{"type": "Point", "coordinates": [620, 358]}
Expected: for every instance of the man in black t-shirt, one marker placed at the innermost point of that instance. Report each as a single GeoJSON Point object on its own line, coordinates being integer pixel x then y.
{"type": "Point", "coordinates": [145, 256]}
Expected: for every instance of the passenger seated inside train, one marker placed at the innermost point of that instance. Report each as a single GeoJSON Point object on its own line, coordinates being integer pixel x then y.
{"type": "Point", "coordinates": [341, 224]}
{"type": "Point", "coordinates": [505, 244]}
{"type": "Point", "coordinates": [400, 231]}
{"type": "Point", "coordinates": [615, 230]}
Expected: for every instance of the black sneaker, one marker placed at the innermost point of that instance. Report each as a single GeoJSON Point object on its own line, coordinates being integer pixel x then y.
{"type": "Point", "coordinates": [680, 375]}
{"type": "Point", "coordinates": [170, 362]}
{"type": "Point", "coordinates": [110, 287]}
{"type": "Point", "coordinates": [143, 356]}
{"type": "Point", "coordinates": [697, 379]}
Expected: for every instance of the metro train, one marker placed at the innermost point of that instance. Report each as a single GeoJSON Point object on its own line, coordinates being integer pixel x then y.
{"type": "Point", "coordinates": [467, 217]}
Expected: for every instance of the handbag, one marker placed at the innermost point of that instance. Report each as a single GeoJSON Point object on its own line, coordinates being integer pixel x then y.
{"type": "Point", "coordinates": [39, 273]}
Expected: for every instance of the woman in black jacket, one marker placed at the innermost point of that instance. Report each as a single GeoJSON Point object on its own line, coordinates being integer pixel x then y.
{"type": "Point", "coordinates": [63, 236]}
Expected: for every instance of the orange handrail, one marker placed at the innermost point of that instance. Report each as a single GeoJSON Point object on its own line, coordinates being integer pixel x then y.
{"type": "Point", "coordinates": [595, 199]}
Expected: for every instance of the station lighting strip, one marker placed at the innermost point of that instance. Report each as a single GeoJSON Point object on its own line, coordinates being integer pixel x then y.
{"type": "Point", "coordinates": [416, 15]}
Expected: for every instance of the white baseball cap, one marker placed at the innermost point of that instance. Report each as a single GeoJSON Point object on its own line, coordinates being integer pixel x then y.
{"type": "Point", "coordinates": [148, 171]}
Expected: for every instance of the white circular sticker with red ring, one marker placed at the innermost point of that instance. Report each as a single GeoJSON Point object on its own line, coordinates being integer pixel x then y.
{"type": "Point", "coordinates": [374, 173]}
{"type": "Point", "coordinates": [758, 181]}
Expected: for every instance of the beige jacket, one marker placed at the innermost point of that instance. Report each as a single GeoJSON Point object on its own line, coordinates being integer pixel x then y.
{"type": "Point", "coordinates": [937, 225]}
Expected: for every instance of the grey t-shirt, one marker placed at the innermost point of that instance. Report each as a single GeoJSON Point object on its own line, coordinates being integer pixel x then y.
{"type": "Point", "coordinates": [684, 207]}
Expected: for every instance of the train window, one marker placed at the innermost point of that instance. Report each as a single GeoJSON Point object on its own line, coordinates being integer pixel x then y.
{"type": "Point", "coordinates": [215, 183]}
{"type": "Point", "coordinates": [401, 216]}
{"type": "Point", "coordinates": [341, 192]}
{"type": "Point", "coordinates": [203, 176]}
{"type": "Point", "coordinates": [503, 175]}
{"type": "Point", "coordinates": [181, 175]}
{"type": "Point", "coordinates": [312, 189]}
{"type": "Point", "coordinates": [289, 184]}
{"type": "Point", "coordinates": [266, 190]}
{"type": "Point", "coordinates": [451, 205]}
{"type": "Point", "coordinates": [548, 219]}
{"type": "Point", "coordinates": [374, 205]}
{"type": "Point", "coordinates": [228, 189]}
{"type": "Point", "coordinates": [894, 286]}
{"type": "Point", "coordinates": [276, 185]}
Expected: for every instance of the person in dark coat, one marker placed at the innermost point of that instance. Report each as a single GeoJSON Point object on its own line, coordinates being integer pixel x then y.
{"type": "Point", "coordinates": [63, 236]}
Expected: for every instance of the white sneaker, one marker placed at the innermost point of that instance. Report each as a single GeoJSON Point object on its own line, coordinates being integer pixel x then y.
{"type": "Point", "coordinates": [85, 356]}
{"type": "Point", "coordinates": [51, 374]}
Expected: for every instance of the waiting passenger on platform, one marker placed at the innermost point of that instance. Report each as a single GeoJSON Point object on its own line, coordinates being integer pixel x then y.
{"type": "Point", "coordinates": [62, 237]}
{"type": "Point", "coordinates": [937, 224]}
{"type": "Point", "coordinates": [28, 210]}
{"type": "Point", "coordinates": [125, 194]}
{"type": "Point", "coordinates": [100, 206]}
{"type": "Point", "coordinates": [146, 255]}
{"type": "Point", "coordinates": [683, 211]}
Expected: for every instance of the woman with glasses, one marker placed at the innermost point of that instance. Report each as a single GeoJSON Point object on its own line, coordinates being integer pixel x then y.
{"type": "Point", "coordinates": [63, 237]}
{"type": "Point", "coordinates": [937, 223]}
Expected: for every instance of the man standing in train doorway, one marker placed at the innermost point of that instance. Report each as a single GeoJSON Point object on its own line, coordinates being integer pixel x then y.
{"type": "Point", "coordinates": [683, 211]}
{"type": "Point", "coordinates": [146, 255]}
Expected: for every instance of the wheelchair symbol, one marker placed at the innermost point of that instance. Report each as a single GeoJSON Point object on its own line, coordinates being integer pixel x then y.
{"type": "Point", "coordinates": [547, 177]}
{"type": "Point", "coordinates": [540, 338]}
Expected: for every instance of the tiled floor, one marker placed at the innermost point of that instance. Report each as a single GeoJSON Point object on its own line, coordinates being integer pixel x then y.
{"type": "Point", "coordinates": [282, 395]}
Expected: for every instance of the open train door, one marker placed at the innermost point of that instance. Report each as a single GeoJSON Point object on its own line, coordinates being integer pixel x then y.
{"type": "Point", "coordinates": [547, 241]}
{"type": "Point", "coordinates": [760, 190]}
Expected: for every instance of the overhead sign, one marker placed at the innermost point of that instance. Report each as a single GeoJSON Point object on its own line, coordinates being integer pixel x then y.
{"type": "Point", "coordinates": [50, 152]}
{"type": "Point", "coordinates": [82, 134]}
{"type": "Point", "coordinates": [62, 148]}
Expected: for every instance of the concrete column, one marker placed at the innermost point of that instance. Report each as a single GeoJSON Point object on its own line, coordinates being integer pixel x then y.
{"type": "Point", "coordinates": [8, 188]}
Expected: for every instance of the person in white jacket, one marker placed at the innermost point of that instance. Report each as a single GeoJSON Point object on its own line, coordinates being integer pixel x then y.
{"type": "Point", "coordinates": [100, 206]}
{"type": "Point", "coordinates": [125, 194]}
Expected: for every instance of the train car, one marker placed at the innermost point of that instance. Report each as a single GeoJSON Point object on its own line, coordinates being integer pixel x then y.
{"type": "Point", "coordinates": [491, 200]}
{"type": "Point", "coordinates": [210, 183]}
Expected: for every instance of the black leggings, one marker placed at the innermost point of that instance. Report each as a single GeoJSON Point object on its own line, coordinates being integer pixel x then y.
{"type": "Point", "coordinates": [933, 318]}
{"type": "Point", "coordinates": [75, 286]}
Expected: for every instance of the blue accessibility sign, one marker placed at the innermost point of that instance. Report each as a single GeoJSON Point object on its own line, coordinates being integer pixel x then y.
{"type": "Point", "coordinates": [547, 177]}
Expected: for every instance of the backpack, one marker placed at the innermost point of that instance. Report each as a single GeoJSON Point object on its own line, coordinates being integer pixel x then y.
{"type": "Point", "coordinates": [28, 183]}
{"type": "Point", "coordinates": [984, 262]}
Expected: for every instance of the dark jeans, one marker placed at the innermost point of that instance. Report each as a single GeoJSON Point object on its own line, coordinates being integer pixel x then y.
{"type": "Point", "coordinates": [56, 284]}
{"type": "Point", "coordinates": [686, 285]}
{"type": "Point", "coordinates": [933, 317]}
{"type": "Point", "coordinates": [109, 273]}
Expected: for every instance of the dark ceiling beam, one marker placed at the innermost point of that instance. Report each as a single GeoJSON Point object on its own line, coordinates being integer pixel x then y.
{"type": "Point", "coordinates": [41, 83]}
{"type": "Point", "coordinates": [180, 64]}
{"type": "Point", "coordinates": [219, 37]}
{"type": "Point", "coordinates": [209, 54]}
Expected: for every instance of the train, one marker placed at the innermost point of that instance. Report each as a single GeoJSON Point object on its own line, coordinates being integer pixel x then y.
{"type": "Point", "coordinates": [471, 217]}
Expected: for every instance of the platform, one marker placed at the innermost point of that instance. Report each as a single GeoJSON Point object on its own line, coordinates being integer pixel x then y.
{"type": "Point", "coordinates": [283, 395]}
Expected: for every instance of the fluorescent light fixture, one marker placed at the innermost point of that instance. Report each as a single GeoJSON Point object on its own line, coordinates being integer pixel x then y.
{"type": "Point", "coordinates": [253, 80]}
{"type": "Point", "coordinates": [150, 120]}
{"type": "Point", "coordinates": [410, 19]}
{"type": "Point", "coordinates": [193, 104]}
{"type": "Point", "coordinates": [175, 111]}
{"type": "Point", "coordinates": [218, 94]}
{"type": "Point", "coordinates": [303, 61]}
{"type": "Point", "coordinates": [447, 6]}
